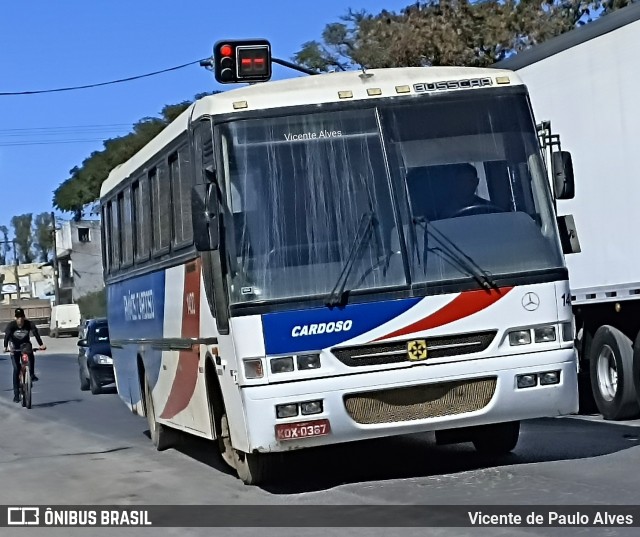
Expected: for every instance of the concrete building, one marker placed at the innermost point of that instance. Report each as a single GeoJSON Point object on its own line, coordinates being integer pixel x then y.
{"type": "Point", "coordinates": [79, 251]}
{"type": "Point", "coordinates": [35, 280]}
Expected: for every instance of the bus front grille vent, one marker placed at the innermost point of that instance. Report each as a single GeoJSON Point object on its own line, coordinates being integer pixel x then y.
{"type": "Point", "coordinates": [420, 402]}
{"type": "Point", "coordinates": [397, 351]}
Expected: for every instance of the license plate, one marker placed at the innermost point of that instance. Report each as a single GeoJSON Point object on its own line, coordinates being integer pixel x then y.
{"type": "Point", "coordinates": [302, 429]}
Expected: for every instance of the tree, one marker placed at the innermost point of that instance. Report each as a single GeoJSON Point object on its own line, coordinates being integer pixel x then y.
{"type": "Point", "coordinates": [93, 305]}
{"type": "Point", "coordinates": [23, 236]}
{"type": "Point", "coordinates": [43, 230]}
{"type": "Point", "coordinates": [5, 247]}
{"type": "Point", "coordinates": [446, 32]}
{"type": "Point", "coordinates": [83, 186]}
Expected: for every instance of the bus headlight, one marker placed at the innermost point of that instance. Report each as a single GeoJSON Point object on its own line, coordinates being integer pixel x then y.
{"type": "Point", "coordinates": [287, 411]}
{"type": "Point", "coordinates": [282, 365]}
{"type": "Point", "coordinates": [308, 361]}
{"type": "Point", "coordinates": [541, 334]}
{"type": "Point", "coordinates": [311, 407]}
{"type": "Point", "coordinates": [545, 334]}
{"type": "Point", "coordinates": [253, 368]}
{"type": "Point", "coordinates": [519, 337]}
{"type": "Point", "coordinates": [550, 377]}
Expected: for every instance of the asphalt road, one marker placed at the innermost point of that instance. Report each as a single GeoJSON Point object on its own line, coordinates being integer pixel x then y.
{"type": "Point", "coordinates": [74, 447]}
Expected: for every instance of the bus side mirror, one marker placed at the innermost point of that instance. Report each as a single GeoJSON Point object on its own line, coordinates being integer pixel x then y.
{"type": "Point", "coordinates": [568, 234]}
{"type": "Point", "coordinates": [206, 217]}
{"type": "Point", "coordinates": [562, 166]}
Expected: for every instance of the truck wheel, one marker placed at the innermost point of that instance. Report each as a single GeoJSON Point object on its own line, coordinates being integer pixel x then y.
{"type": "Point", "coordinates": [611, 371]}
{"type": "Point", "coordinates": [496, 439]}
{"type": "Point", "coordinates": [636, 367]}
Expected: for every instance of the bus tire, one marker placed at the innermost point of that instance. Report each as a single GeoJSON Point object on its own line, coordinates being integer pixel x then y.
{"type": "Point", "coordinates": [163, 437]}
{"type": "Point", "coordinates": [611, 371]}
{"type": "Point", "coordinates": [496, 439]}
{"type": "Point", "coordinates": [252, 468]}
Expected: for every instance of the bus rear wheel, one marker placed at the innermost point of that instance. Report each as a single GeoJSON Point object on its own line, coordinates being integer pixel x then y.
{"type": "Point", "coordinates": [163, 437]}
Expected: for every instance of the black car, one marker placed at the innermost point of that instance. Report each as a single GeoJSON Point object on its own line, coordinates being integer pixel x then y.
{"type": "Point", "coordinates": [94, 357]}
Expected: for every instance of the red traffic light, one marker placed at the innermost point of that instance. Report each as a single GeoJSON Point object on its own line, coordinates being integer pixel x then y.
{"type": "Point", "coordinates": [242, 61]}
{"type": "Point", "coordinates": [253, 61]}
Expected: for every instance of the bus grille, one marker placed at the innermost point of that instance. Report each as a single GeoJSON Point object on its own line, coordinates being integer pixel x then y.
{"type": "Point", "coordinates": [396, 351]}
{"type": "Point", "coordinates": [420, 402]}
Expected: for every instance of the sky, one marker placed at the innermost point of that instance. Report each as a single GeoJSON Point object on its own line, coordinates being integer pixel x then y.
{"type": "Point", "coordinates": [45, 44]}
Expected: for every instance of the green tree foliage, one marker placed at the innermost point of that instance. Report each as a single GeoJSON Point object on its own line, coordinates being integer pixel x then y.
{"type": "Point", "coordinates": [93, 305]}
{"type": "Point", "coordinates": [446, 32]}
{"type": "Point", "coordinates": [5, 247]}
{"type": "Point", "coordinates": [43, 231]}
{"type": "Point", "coordinates": [83, 187]}
{"type": "Point", "coordinates": [23, 236]}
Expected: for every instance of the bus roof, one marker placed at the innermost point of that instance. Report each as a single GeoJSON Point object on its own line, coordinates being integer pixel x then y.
{"type": "Point", "coordinates": [317, 89]}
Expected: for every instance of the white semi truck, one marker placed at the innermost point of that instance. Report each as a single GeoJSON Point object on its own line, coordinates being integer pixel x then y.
{"type": "Point", "coordinates": [586, 83]}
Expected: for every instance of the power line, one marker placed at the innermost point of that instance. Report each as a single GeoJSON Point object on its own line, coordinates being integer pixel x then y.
{"type": "Point", "coordinates": [87, 86]}
{"type": "Point", "coordinates": [67, 127]}
{"type": "Point", "coordinates": [70, 134]}
{"type": "Point", "coordinates": [57, 133]}
{"type": "Point", "coordinates": [49, 142]}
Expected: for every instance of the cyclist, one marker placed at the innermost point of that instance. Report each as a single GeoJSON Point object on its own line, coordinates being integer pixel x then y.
{"type": "Point", "coordinates": [17, 333]}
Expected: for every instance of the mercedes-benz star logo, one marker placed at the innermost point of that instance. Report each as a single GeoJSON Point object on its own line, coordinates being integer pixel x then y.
{"type": "Point", "coordinates": [530, 301]}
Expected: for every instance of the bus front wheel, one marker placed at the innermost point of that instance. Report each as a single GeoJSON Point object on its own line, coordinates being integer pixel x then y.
{"type": "Point", "coordinates": [252, 468]}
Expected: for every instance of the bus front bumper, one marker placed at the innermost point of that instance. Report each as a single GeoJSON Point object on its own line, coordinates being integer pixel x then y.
{"type": "Point", "coordinates": [372, 405]}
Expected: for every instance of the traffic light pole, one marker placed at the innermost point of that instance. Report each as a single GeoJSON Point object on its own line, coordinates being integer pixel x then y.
{"type": "Point", "coordinates": [294, 66]}
{"type": "Point", "coordinates": [56, 285]}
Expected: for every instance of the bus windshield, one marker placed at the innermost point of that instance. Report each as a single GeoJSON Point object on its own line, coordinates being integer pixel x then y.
{"type": "Point", "coordinates": [445, 187]}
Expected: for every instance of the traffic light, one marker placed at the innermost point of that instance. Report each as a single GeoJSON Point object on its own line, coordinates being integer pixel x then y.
{"type": "Point", "coordinates": [242, 61]}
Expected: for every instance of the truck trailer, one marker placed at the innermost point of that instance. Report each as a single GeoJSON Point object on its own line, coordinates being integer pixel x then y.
{"type": "Point", "coordinates": [586, 83]}
{"type": "Point", "coordinates": [37, 310]}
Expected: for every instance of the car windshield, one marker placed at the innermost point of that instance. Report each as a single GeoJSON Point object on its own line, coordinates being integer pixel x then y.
{"type": "Point", "coordinates": [101, 333]}
{"type": "Point", "coordinates": [443, 179]}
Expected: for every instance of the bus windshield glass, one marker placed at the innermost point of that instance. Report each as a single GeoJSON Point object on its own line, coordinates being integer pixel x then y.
{"type": "Point", "coordinates": [448, 188]}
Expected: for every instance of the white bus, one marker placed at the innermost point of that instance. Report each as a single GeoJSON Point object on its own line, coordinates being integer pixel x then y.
{"type": "Point", "coordinates": [341, 257]}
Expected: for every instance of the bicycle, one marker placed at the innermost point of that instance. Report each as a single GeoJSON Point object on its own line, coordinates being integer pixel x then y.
{"type": "Point", "coordinates": [25, 380]}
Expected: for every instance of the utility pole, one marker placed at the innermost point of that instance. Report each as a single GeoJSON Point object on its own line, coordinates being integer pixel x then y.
{"type": "Point", "coordinates": [56, 285]}
{"type": "Point", "coordinates": [15, 260]}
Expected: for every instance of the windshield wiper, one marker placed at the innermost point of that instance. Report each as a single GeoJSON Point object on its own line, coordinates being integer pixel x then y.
{"type": "Point", "coordinates": [453, 252]}
{"type": "Point", "coordinates": [363, 235]}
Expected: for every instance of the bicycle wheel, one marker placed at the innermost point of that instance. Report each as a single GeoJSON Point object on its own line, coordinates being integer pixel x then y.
{"type": "Point", "coordinates": [23, 400]}
{"type": "Point", "coordinates": [26, 389]}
